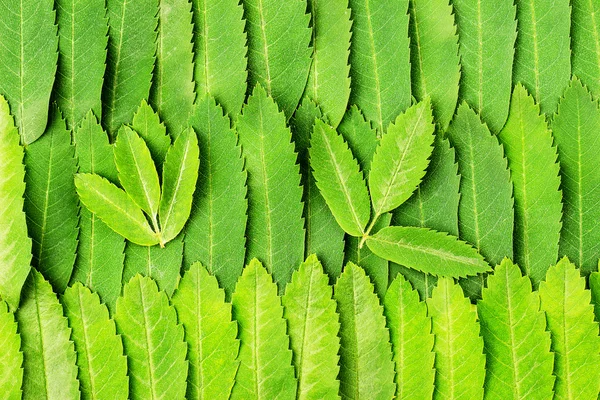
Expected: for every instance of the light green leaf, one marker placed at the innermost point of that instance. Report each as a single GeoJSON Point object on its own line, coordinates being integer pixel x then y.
{"type": "Point", "coordinates": [360, 136]}
{"type": "Point", "coordinates": [380, 60]}
{"type": "Point", "coordinates": [366, 366]}
{"type": "Point", "coordinates": [534, 171]}
{"type": "Point", "coordinates": [11, 358]}
{"type": "Point", "coordinates": [49, 357]}
{"type": "Point", "coordinates": [148, 125]}
{"type": "Point", "coordinates": [275, 228]}
{"type": "Point", "coordinates": [575, 340]}
{"type": "Point", "coordinates": [401, 158]}
{"type": "Point", "coordinates": [137, 173]}
{"type": "Point", "coordinates": [434, 56]}
{"type": "Point", "coordinates": [313, 327]}
{"type": "Point", "coordinates": [519, 361]}
{"type": "Point", "coordinates": [265, 370]}
{"type": "Point", "coordinates": [220, 52]}
{"type": "Point", "coordinates": [114, 207]}
{"type": "Point", "coordinates": [172, 91]}
{"type": "Point", "coordinates": [82, 41]}
{"type": "Point", "coordinates": [51, 202]}
{"type": "Point", "coordinates": [594, 282]}
{"type": "Point", "coordinates": [29, 55]}
{"type": "Point", "coordinates": [180, 173]}
{"type": "Point", "coordinates": [339, 179]}
{"type": "Point", "coordinates": [130, 61]}
{"type": "Point", "coordinates": [412, 340]}
{"type": "Point", "coordinates": [585, 40]}
{"type": "Point", "coordinates": [543, 55]}
{"type": "Point", "coordinates": [279, 56]}
{"type": "Point", "coordinates": [102, 365]}
{"type": "Point", "coordinates": [459, 359]}
{"type": "Point", "coordinates": [426, 250]}
{"type": "Point", "coordinates": [99, 258]}
{"type": "Point", "coordinates": [487, 31]}
{"type": "Point", "coordinates": [575, 129]}
{"type": "Point", "coordinates": [209, 333]}
{"type": "Point", "coordinates": [15, 245]}
{"type": "Point", "coordinates": [153, 342]}
{"type": "Point", "coordinates": [215, 232]}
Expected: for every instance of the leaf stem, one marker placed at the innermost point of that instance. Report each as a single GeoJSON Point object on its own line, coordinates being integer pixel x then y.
{"type": "Point", "coordinates": [365, 235]}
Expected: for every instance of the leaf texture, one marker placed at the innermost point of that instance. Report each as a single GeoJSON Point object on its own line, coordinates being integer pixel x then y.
{"type": "Point", "coordinates": [279, 56]}
{"type": "Point", "coordinates": [313, 326]}
{"type": "Point", "coordinates": [459, 359]}
{"type": "Point", "coordinates": [487, 31]}
{"type": "Point", "coordinates": [148, 125]}
{"type": "Point", "coordinates": [575, 128]}
{"type": "Point", "coordinates": [172, 91]}
{"type": "Point", "coordinates": [130, 60]}
{"type": "Point", "coordinates": [412, 340]}
{"type": "Point", "coordinates": [543, 54]}
{"type": "Point", "coordinates": [15, 245]}
{"type": "Point", "coordinates": [575, 340]}
{"type": "Point", "coordinates": [434, 56]}
{"type": "Point", "coordinates": [275, 227]}
{"type": "Point", "coordinates": [49, 357]}
{"type": "Point", "coordinates": [11, 359]}
{"type": "Point", "coordinates": [102, 365]}
{"type": "Point", "coordinates": [51, 202]}
{"type": "Point", "coordinates": [366, 366]}
{"type": "Point", "coordinates": [534, 171]}
{"type": "Point", "coordinates": [360, 136]}
{"type": "Point", "coordinates": [29, 56]}
{"type": "Point", "coordinates": [153, 341]}
{"type": "Point", "coordinates": [82, 41]}
{"type": "Point", "coordinates": [265, 370]}
{"type": "Point", "coordinates": [585, 42]}
{"type": "Point", "coordinates": [210, 334]}
{"type": "Point", "coordinates": [380, 60]}
{"type": "Point", "coordinates": [519, 361]}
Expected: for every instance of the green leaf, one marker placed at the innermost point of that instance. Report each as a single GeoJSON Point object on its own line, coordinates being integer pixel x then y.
{"type": "Point", "coordinates": [82, 41]}
{"type": "Point", "coordinates": [543, 55]}
{"type": "Point", "coordinates": [594, 282]}
{"type": "Point", "coordinates": [215, 232]}
{"type": "Point", "coordinates": [519, 361]}
{"type": "Point", "coordinates": [426, 250]}
{"type": "Point", "coordinates": [459, 359]}
{"type": "Point", "coordinates": [148, 125]}
{"type": "Point", "coordinates": [209, 333]}
{"type": "Point", "coordinates": [130, 61]}
{"type": "Point", "coordinates": [366, 366]}
{"type": "Point", "coordinates": [275, 227]}
{"type": "Point", "coordinates": [153, 342]}
{"type": "Point", "coordinates": [99, 258]}
{"type": "Point", "coordinates": [380, 60]}
{"type": "Point", "coordinates": [51, 202]}
{"type": "Point", "coordinates": [313, 327]}
{"type": "Point", "coordinates": [162, 264]}
{"type": "Point", "coordinates": [360, 136]}
{"type": "Point", "coordinates": [575, 129]}
{"type": "Point", "coordinates": [29, 56]}
{"type": "Point", "coordinates": [49, 357]}
{"type": "Point", "coordinates": [412, 340]}
{"type": "Point", "coordinates": [172, 91]}
{"type": "Point", "coordinates": [15, 245]}
{"type": "Point", "coordinates": [114, 207]}
{"type": "Point", "coordinates": [279, 56]}
{"type": "Point", "coordinates": [487, 31]}
{"type": "Point", "coordinates": [585, 42]}
{"type": "Point", "coordinates": [534, 172]}
{"type": "Point", "coordinates": [137, 172]}
{"type": "Point", "coordinates": [339, 179]}
{"type": "Point", "coordinates": [102, 365]}
{"type": "Point", "coordinates": [575, 340]}
{"type": "Point", "coordinates": [265, 370]}
{"type": "Point", "coordinates": [401, 158]}
{"type": "Point", "coordinates": [434, 56]}
{"type": "Point", "coordinates": [220, 52]}
{"type": "Point", "coordinates": [180, 173]}
{"type": "Point", "coordinates": [11, 358]}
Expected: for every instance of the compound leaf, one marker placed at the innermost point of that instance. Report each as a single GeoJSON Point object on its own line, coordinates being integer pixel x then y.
{"type": "Point", "coordinates": [11, 358]}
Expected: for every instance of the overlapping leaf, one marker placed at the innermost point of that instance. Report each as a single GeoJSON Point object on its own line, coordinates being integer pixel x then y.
{"type": "Point", "coordinates": [148, 125]}
{"type": "Point", "coordinates": [585, 54]}
{"type": "Point", "coordinates": [594, 282]}
{"type": "Point", "coordinates": [11, 358]}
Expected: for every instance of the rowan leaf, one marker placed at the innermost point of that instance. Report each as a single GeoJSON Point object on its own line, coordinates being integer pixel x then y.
{"type": "Point", "coordinates": [102, 365]}
{"type": "Point", "coordinates": [11, 359]}
{"type": "Point", "coordinates": [585, 43]}
{"type": "Point", "coordinates": [209, 332]}
{"type": "Point", "coordinates": [148, 125]}
{"type": "Point", "coordinates": [153, 341]}
{"type": "Point", "coordinates": [265, 370]}
{"type": "Point", "coordinates": [360, 136]}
